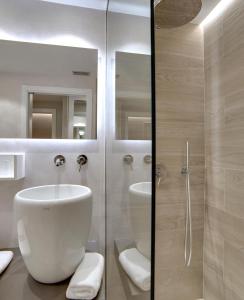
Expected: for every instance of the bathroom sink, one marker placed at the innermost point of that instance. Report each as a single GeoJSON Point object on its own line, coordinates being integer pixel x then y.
{"type": "Point", "coordinates": [140, 216]}
{"type": "Point", "coordinates": [141, 188]}
{"type": "Point", "coordinates": [53, 194]}
{"type": "Point", "coordinates": [53, 225]}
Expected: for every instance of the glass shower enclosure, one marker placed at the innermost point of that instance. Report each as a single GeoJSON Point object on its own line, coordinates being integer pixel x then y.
{"type": "Point", "coordinates": [129, 157]}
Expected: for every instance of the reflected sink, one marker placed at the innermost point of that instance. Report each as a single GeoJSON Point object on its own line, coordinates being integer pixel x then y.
{"type": "Point", "coordinates": [140, 215]}
{"type": "Point", "coordinates": [53, 224]}
{"type": "Point", "coordinates": [141, 188]}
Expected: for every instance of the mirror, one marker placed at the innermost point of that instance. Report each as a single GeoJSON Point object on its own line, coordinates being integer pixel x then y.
{"type": "Point", "coordinates": [47, 92]}
{"type": "Point", "coordinates": [133, 96]}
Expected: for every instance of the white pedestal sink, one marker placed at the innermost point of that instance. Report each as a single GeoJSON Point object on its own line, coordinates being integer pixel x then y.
{"type": "Point", "coordinates": [53, 224]}
{"type": "Point", "coordinates": [140, 216]}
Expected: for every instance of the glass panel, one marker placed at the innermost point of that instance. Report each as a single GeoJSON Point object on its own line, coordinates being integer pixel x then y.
{"type": "Point", "coordinates": [128, 151]}
{"type": "Point", "coordinates": [133, 98]}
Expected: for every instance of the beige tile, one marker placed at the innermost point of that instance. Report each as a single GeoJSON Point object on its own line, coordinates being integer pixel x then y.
{"type": "Point", "coordinates": [172, 217]}
{"type": "Point", "coordinates": [172, 137]}
{"type": "Point", "coordinates": [229, 227]}
{"type": "Point", "coordinates": [180, 117]}
{"type": "Point", "coordinates": [214, 288]}
{"type": "Point", "coordinates": [170, 108]}
{"type": "Point", "coordinates": [170, 248]}
{"type": "Point", "coordinates": [215, 187]}
{"type": "Point", "coordinates": [186, 40]}
{"type": "Point", "coordinates": [234, 268]}
{"type": "Point", "coordinates": [234, 110]}
{"type": "Point", "coordinates": [235, 192]}
{"type": "Point", "coordinates": [179, 283]}
{"type": "Point", "coordinates": [213, 251]}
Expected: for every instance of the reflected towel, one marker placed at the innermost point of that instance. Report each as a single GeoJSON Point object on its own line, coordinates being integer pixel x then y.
{"type": "Point", "coordinates": [138, 268]}
{"type": "Point", "coordinates": [86, 281]}
{"type": "Point", "coordinates": [5, 259]}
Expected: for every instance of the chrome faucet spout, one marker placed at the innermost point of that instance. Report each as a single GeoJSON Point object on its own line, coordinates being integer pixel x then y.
{"type": "Point", "coordinates": [59, 160]}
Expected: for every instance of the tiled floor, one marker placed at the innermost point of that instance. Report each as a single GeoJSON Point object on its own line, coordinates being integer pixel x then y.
{"type": "Point", "coordinates": [17, 284]}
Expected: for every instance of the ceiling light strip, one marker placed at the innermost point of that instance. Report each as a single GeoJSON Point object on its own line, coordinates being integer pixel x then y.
{"type": "Point", "coordinates": [217, 11]}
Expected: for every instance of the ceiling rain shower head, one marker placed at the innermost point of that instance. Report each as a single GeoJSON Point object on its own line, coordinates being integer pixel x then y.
{"type": "Point", "coordinates": [175, 13]}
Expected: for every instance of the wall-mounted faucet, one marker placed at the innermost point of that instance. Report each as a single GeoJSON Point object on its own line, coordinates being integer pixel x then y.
{"type": "Point", "coordinates": [128, 160]}
{"type": "Point", "coordinates": [158, 174]}
{"type": "Point", "coordinates": [81, 161]}
{"type": "Point", "coordinates": [147, 159]}
{"type": "Point", "coordinates": [59, 160]}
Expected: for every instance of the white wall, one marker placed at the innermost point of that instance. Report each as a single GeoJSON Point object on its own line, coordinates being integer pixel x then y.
{"type": "Point", "coordinates": [42, 22]}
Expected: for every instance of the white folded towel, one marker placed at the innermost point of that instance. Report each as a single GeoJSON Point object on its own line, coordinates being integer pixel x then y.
{"type": "Point", "coordinates": [5, 259]}
{"type": "Point", "coordinates": [87, 279]}
{"type": "Point", "coordinates": [138, 268]}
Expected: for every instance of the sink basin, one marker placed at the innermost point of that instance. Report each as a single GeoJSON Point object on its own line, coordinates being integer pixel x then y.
{"type": "Point", "coordinates": [140, 216]}
{"type": "Point", "coordinates": [53, 224]}
{"type": "Point", "coordinates": [143, 189]}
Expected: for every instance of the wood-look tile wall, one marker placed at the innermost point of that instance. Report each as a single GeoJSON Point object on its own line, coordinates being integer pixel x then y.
{"type": "Point", "coordinates": [224, 119]}
{"type": "Point", "coordinates": [180, 117]}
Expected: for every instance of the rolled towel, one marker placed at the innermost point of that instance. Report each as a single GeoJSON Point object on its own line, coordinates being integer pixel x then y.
{"type": "Point", "coordinates": [138, 268]}
{"type": "Point", "coordinates": [86, 281]}
{"type": "Point", "coordinates": [5, 259]}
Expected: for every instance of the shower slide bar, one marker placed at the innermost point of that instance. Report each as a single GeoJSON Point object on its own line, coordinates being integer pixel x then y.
{"type": "Point", "coordinates": [188, 223]}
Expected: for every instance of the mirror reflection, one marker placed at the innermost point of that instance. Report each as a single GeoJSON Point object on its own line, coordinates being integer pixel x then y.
{"type": "Point", "coordinates": [47, 92]}
{"type": "Point", "coordinates": [133, 96]}
{"type": "Point", "coordinates": [59, 116]}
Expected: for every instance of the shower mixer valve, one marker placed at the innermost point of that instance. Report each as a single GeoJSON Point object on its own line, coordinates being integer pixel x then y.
{"type": "Point", "coordinates": [158, 174]}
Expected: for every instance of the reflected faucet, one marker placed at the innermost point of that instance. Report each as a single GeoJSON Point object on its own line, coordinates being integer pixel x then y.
{"type": "Point", "coordinates": [81, 160]}
{"type": "Point", "coordinates": [128, 160]}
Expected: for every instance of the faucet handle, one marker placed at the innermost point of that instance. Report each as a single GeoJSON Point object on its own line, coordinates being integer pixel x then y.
{"type": "Point", "coordinates": [81, 160]}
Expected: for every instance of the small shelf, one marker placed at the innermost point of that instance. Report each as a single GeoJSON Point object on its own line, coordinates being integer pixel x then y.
{"type": "Point", "coordinates": [12, 166]}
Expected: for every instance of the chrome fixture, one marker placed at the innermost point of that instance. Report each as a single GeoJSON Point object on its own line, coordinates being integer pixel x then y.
{"type": "Point", "coordinates": [147, 159]}
{"type": "Point", "coordinates": [188, 224]}
{"type": "Point", "coordinates": [59, 160]}
{"type": "Point", "coordinates": [128, 159]}
{"type": "Point", "coordinates": [158, 173]}
{"type": "Point", "coordinates": [82, 160]}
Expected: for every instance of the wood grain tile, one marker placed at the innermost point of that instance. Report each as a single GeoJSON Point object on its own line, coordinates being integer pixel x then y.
{"type": "Point", "coordinates": [180, 117]}
{"type": "Point", "coordinates": [234, 203]}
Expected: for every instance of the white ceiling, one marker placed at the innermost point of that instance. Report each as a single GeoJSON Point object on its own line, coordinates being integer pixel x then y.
{"type": "Point", "coordinates": [133, 7]}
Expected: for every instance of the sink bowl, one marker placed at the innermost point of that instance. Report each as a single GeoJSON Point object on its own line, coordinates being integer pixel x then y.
{"type": "Point", "coordinates": [53, 224]}
{"type": "Point", "coordinates": [140, 216]}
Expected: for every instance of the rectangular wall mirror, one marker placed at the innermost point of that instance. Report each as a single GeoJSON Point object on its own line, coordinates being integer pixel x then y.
{"type": "Point", "coordinates": [133, 96]}
{"type": "Point", "coordinates": [47, 92]}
